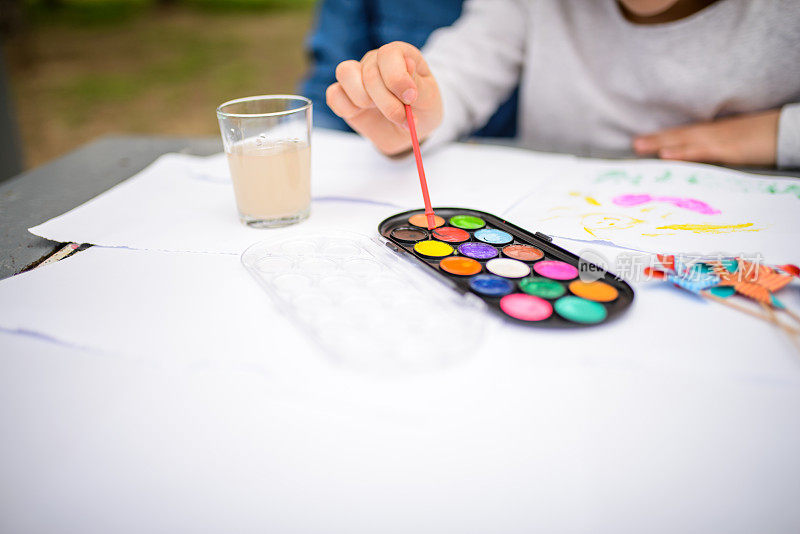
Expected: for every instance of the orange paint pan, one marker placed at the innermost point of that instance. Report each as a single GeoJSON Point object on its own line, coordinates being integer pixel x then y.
{"type": "Point", "coordinates": [460, 266]}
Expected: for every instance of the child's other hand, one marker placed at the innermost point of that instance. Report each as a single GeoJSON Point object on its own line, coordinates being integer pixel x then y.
{"type": "Point", "coordinates": [369, 95]}
{"type": "Point", "coordinates": [750, 139]}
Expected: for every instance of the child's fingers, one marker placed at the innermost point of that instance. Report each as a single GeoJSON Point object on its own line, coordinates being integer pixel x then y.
{"type": "Point", "coordinates": [396, 63]}
{"type": "Point", "coordinates": [749, 139]}
{"type": "Point", "coordinates": [348, 74]}
{"type": "Point", "coordinates": [340, 103]}
{"type": "Point", "coordinates": [387, 103]}
{"type": "Point", "coordinates": [653, 143]}
{"type": "Point", "coordinates": [689, 152]}
{"type": "Point", "coordinates": [645, 145]}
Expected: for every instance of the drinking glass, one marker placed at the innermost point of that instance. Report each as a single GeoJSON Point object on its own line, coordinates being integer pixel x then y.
{"type": "Point", "coordinates": [268, 143]}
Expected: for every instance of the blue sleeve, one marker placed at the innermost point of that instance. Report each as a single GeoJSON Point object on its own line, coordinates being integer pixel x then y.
{"type": "Point", "coordinates": [341, 32]}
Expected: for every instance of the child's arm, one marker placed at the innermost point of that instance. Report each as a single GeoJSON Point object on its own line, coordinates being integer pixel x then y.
{"type": "Point", "coordinates": [763, 139]}
{"type": "Point", "coordinates": [476, 62]}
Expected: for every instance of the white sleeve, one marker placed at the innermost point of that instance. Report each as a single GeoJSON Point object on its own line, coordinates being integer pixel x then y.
{"type": "Point", "coordinates": [789, 137]}
{"type": "Point", "coordinates": [477, 63]}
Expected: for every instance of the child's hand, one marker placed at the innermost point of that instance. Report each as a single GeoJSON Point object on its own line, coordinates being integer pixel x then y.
{"type": "Point", "coordinates": [750, 139]}
{"type": "Point", "coordinates": [370, 94]}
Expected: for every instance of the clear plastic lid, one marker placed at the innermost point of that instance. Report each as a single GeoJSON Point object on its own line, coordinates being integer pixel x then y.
{"type": "Point", "coordinates": [363, 305]}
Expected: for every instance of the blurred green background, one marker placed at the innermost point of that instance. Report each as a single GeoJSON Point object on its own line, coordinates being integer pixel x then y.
{"type": "Point", "coordinates": [84, 68]}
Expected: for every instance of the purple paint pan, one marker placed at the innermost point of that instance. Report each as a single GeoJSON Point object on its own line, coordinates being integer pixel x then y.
{"type": "Point", "coordinates": [478, 251]}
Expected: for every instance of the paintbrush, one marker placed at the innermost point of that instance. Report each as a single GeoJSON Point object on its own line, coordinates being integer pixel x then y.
{"type": "Point", "coordinates": [660, 275]}
{"type": "Point", "coordinates": [429, 215]}
{"type": "Point", "coordinates": [789, 331]}
{"type": "Point", "coordinates": [763, 317]}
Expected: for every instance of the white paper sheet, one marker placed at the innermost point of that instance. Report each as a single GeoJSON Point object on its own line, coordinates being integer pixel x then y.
{"type": "Point", "coordinates": [179, 400]}
{"type": "Point", "coordinates": [186, 307]}
{"type": "Point", "coordinates": [103, 443]}
{"type": "Point", "coordinates": [670, 207]}
{"type": "Point", "coordinates": [145, 213]}
{"type": "Point", "coordinates": [485, 177]}
{"type": "Point", "coordinates": [185, 203]}
{"type": "Point", "coordinates": [205, 307]}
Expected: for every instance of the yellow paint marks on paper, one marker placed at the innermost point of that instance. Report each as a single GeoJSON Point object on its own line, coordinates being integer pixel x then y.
{"type": "Point", "coordinates": [711, 228]}
{"type": "Point", "coordinates": [608, 221]}
{"type": "Point", "coordinates": [587, 198]}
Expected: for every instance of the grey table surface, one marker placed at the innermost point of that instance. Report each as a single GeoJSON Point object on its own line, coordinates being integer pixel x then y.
{"type": "Point", "coordinates": [45, 192]}
{"type": "Point", "coordinates": [42, 193]}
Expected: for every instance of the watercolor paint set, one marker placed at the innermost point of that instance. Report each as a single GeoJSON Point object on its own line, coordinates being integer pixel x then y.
{"type": "Point", "coordinates": [365, 306]}
{"type": "Point", "coordinates": [522, 276]}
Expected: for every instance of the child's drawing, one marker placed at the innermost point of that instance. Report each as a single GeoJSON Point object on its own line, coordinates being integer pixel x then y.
{"type": "Point", "coordinates": [598, 223]}
{"type": "Point", "coordinates": [624, 212]}
{"type": "Point", "coordinates": [712, 228]}
{"type": "Point", "coordinates": [691, 204]}
{"type": "Point", "coordinates": [661, 207]}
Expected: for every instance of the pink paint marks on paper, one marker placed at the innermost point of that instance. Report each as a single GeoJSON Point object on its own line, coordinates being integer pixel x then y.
{"type": "Point", "coordinates": [691, 204]}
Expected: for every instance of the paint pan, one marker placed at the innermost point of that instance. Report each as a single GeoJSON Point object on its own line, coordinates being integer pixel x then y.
{"type": "Point", "coordinates": [460, 266]}
{"type": "Point", "coordinates": [467, 222]}
{"type": "Point", "coordinates": [478, 251]}
{"type": "Point", "coordinates": [432, 249]}
{"type": "Point", "coordinates": [596, 291]}
{"type": "Point", "coordinates": [448, 234]}
{"type": "Point", "coordinates": [493, 236]}
{"type": "Point", "coordinates": [520, 275]}
{"type": "Point", "coordinates": [542, 287]}
{"type": "Point", "coordinates": [409, 234]}
{"type": "Point", "coordinates": [557, 270]}
{"type": "Point", "coordinates": [523, 252]}
{"type": "Point", "coordinates": [526, 307]}
{"type": "Point", "coordinates": [508, 268]}
{"type": "Point", "coordinates": [580, 310]}
{"type": "Point", "coordinates": [490, 285]}
{"type": "Point", "coordinates": [421, 221]}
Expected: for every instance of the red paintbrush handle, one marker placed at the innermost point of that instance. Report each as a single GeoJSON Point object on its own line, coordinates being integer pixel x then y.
{"type": "Point", "coordinates": [418, 156]}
